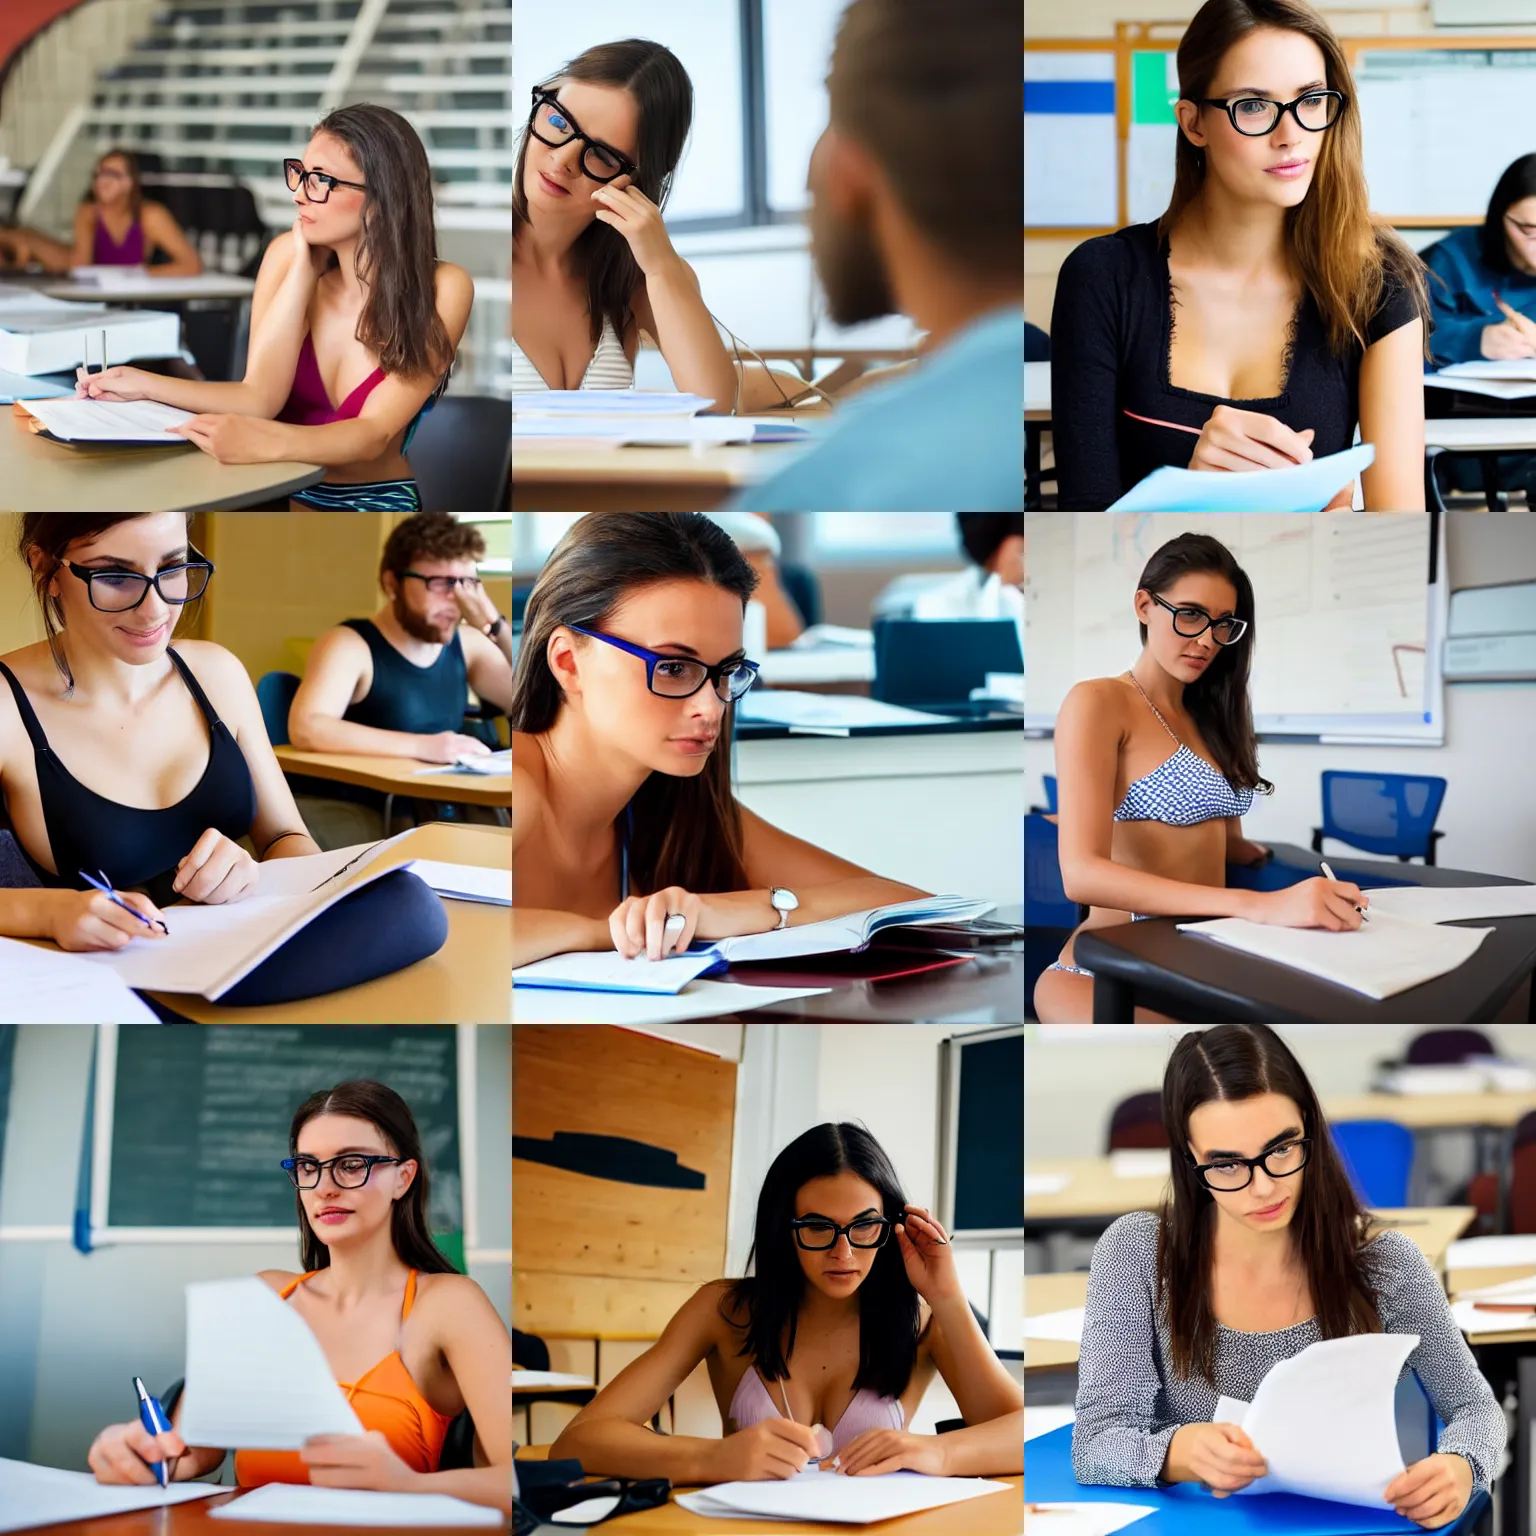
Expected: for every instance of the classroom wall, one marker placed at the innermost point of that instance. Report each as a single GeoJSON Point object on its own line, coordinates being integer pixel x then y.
{"type": "Point", "coordinates": [1490, 727]}
{"type": "Point", "coordinates": [74, 1327]}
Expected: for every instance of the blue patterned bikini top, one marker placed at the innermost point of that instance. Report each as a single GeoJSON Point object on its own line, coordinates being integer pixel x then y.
{"type": "Point", "coordinates": [1182, 791]}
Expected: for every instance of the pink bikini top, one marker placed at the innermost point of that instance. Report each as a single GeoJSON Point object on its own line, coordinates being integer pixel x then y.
{"type": "Point", "coordinates": [309, 405]}
{"type": "Point", "coordinates": [868, 1410]}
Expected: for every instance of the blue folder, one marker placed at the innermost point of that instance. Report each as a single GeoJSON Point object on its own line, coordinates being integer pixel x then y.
{"type": "Point", "coordinates": [1186, 1509]}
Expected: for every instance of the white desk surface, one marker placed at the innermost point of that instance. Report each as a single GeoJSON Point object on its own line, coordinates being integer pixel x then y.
{"type": "Point", "coordinates": [210, 285]}
{"type": "Point", "coordinates": [1037, 391]}
{"type": "Point", "coordinates": [1488, 434]}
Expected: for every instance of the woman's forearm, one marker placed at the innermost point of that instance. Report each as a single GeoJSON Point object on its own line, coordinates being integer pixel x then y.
{"type": "Point", "coordinates": [491, 1486]}
{"type": "Point", "coordinates": [24, 914]}
{"type": "Point", "coordinates": [336, 443]}
{"type": "Point", "coordinates": [205, 397]}
{"type": "Point", "coordinates": [982, 1387]}
{"type": "Point", "coordinates": [993, 1449]}
{"type": "Point", "coordinates": [538, 932]}
{"type": "Point", "coordinates": [752, 912]}
{"type": "Point", "coordinates": [689, 341]}
{"type": "Point", "coordinates": [1104, 883]}
{"type": "Point", "coordinates": [616, 1448]}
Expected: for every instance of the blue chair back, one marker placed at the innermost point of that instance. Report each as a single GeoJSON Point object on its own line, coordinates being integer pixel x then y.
{"type": "Point", "coordinates": [938, 661]}
{"type": "Point", "coordinates": [1378, 1156]}
{"type": "Point", "coordinates": [275, 694]}
{"type": "Point", "coordinates": [1050, 792]}
{"type": "Point", "coordinates": [1392, 813]}
{"type": "Point", "coordinates": [804, 590]}
{"type": "Point", "coordinates": [1045, 900]}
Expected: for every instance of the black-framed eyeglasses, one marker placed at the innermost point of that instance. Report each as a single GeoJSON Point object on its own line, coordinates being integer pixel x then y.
{"type": "Point", "coordinates": [351, 1170]}
{"type": "Point", "coordinates": [1255, 115]}
{"type": "Point", "coordinates": [552, 124]}
{"type": "Point", "coordinates": [676, 677]}
{"type": "Point", "coordinates": [1233, 1173]}
{"type": "Point", "coordinates": [1190, 622]}
{"type": "Point", "coordinates": [113, 590]}
{"type": "Point", "coordinates": [818, 1233]}
{"type": "Point", "coordinates": [317, 184]}
{"type": "Point", "coordinates": [441, 586]}
{"type": "Point", "coordinates": [1528, 230]}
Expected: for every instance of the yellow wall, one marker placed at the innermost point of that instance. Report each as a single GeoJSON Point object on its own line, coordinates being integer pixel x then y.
{"type": "Point", "coordinates": [20, 621]}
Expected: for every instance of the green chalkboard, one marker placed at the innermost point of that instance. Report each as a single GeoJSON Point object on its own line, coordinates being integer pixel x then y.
{"type": "Point", "coordinates": [200, 1116]}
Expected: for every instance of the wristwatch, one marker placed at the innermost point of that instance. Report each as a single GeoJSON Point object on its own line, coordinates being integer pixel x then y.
{"type": "Point", "coordinates": [784, 902]}
{"type": "Point", "coordinates": [492, 630]}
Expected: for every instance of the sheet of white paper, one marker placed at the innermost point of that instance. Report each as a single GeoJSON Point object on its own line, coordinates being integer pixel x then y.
{"type": "Point", "coordinates": [1305, 487]}
{"type": "Point", "coordinates": [85, 421]}
{"type": "Point", "coordinates": [783, 706]}
{"type": "Point", "coordinates": [1045, 1183]}
{"type": "Point", "coordinates": [653, 431]}
{"type": "Point", "coordinates": [1379, 959]}
{"type": "Point", "coordinates": [1082, 1519]}
{"type": "Point", "coordinates": [550, 1379]}
{"type": "Point", "coordinates": [608, 402]}
{"type": "Point", "coordinates": [824, 664]}
{"type": "Point", "coordinates": [1497, 389]}
{"type": "Point", "coordinates": [1504, 1076]}
{"type": "Point", "coordinates": [816, 1495]}
{"type": "Point", "coordinates": [47, 986]}
{"type": "Point", "coordinates": [492, 764]}
{"type": "Point", "coordinates": [1065, 1327]}
{"type": "Point", "coordinates": [1045, 1421]}
{"type": "Point", "coordinates": [698, 1000]}
{"type": "Point", "coordinates": [256, 1375]}
{"type": "Point", "coordinates": [1521, 1290]}
{"type": "Point", "coordinates": [294, 1504]}
{"type": "Point", "coordinates": [832, 634]}
{"type": "Point", "coordinates": [1430, 904]}
{"type": "Point", "coordinates": [307, 873]}
{"type": "Point", "coordinates": [1491, 368]}
{"type": "Point", "coordinates": [1460, 1077]}
{"type": "Point", "coordinates": [1230, 1410]}
{"type": "Point", "coordinates": [1139, 1163]}
{"type": "Point", "coordinates": [1492, 1252]}
{"type": "Point", "coordinates": [466, 882]}
{"type": "Point", "coordinates": [1325, 1419]}
{"type": "Point", "coordinates": [1470, 1319]}
{"type": "Point", "coordinates": [31, 1496]}
{"type": "Point", "coordinates": [597, 970]}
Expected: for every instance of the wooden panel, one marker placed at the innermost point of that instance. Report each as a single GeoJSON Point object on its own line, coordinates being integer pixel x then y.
{"type": "Point", "coordinates": [556, 1304]}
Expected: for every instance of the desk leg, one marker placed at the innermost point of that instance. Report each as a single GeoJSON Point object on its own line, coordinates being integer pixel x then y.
{"type": "Point", "coordinates": [1114, 1001]}
{"type": "Point", "coordinates": [389, 811]}
{"type": "Point", "coordinates": [1530, 1000]}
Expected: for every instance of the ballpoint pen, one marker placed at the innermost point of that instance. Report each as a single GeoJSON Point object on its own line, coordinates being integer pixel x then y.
{"type": "Point", "coordinates": [152, 1417]}
{"type": "Point", "coordinates": [1364, 915]}
{"type": "Point", "coordinates": [100, 882]}
{"type": "Point", "coordinates": [817, 1429]}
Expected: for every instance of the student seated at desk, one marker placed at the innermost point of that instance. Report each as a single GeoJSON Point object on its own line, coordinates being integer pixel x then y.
{"type": "Point", "coordinates": [394, 685]}
{"type": "Point", "coordinates": [373, 1278]}
{"type": "Point", "coordinates": [994, 587]}
{"type": "Point", "coordinates": [631, 658]}
{"type": "Point", "coordinates": [354, 325]}
{"type": "Point", "coordinates": [1260, 1251]}
{"type": "Point", "coordinates": [1146, 834]}
{"type": "Point", "coordinates": [854, 1304]}
{"type": "Point", "coordinates": [115, 226]}
{"type": "Point", "coordinates": [1265, 314]}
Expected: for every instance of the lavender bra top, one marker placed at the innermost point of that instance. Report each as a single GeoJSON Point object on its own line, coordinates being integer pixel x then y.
{"type": "Point", "coordinates": [752, 1404]}
{"type": "Point", "coordinates": [308, 404]}
{"type": "Point", "coordinates": [108, 253]}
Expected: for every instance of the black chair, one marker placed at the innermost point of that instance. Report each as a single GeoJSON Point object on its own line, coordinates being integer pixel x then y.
{"type": "Point", "coordinates": [804, 591]}
{"type": "Point", "coordinates": [1037, 349]}
{"type": "Point", "coordinates": [461, 455]}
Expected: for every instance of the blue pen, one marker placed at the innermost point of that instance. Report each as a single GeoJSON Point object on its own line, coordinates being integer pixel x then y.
{"type": "Point", "coordinates": [152, 1417]}
{"type": "Point", "coordinates": [102, 884]}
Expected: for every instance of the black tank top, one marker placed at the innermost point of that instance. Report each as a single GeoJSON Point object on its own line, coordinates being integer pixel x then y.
{"type": "Point", "coordinates": [135, 847]}
{"type": "Point", "coordinates": [405, 697]}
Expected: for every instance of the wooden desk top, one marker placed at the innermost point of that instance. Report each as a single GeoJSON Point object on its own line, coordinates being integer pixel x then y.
{"type": "Point", "coordinates": [1051, 1293]}
{"type": "Point", "coordinates": [398, 776]}
{"type": "Point", "coordinates": [468, 981]}
{"type": "Point", "coordinates": [40, 476]}
{"type": "Point", "coordinates": [1427, 1111]}
{"type": "Point", "coordinates": [1091, 1190]}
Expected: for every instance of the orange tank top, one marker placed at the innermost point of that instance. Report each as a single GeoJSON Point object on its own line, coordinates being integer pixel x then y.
{"type": "Point", "coordinates": [384, 1398]}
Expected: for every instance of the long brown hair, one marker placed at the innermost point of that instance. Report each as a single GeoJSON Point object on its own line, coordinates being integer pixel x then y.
{"type": "Point", "coordinates": [135, 177]}
{"type": "Point", "coordinates": [687, 831]}
{"type": "Point", "coordinates": [397, 255]}
{"type": "Point", "coordinates": [660, 85]}
{"type": "Point", "coordinates": [1217, 701]}
{"type": "Point", "coordinates": [391, 1117]}
{"type": "Point", "coordinates": [1329, 1228]}
{"type": "Point", "coordinates": [1342, 254]}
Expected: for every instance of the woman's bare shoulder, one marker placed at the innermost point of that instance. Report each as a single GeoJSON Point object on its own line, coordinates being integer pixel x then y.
{"type": "Point", "coordinates": [528, 785]}
{"type": "Point", "coordinates": [278, 1278]}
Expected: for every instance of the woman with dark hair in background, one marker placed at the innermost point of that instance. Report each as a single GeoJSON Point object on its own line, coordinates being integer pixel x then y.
{"type": "Point", "coordinates": [601, 148]}
{"type": "Point", "coordinates": [354, 324]}
{"type": "Point", "coordinates": [1144, 833]}
{"type": "Point", "coordinates": [1260, 1250]}
{"type": "Point", "coordinates": [837, 1327]}
{"type": "Point", "coordinates": [373, 1278]}
{"type": "Point", "coordinates": [631, 659]}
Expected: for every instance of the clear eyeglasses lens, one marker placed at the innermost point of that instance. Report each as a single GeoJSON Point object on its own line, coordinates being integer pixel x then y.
{"type": "Point", "coordinates": [118, 591]}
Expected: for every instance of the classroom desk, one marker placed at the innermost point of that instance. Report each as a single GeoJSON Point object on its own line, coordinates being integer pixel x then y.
{"type": "Point", "coordinates": [398, 776]}
{"type": "Point", "coordinates": [1459, 1280]}
{"type": "Point", "coordinates": [1052, 1293]}
{"type": "Point", "coordinates": [1200, 981]}
{"type": "Point", "coordinates": [210, 285]}
{"type": "Point", "coordinates": [42, 476]}
{"type": "Point", "coordinates": [547, 478]}
{"type": "Point", "coordinates": [995, 1514]}
{"type": "Point", "coordinates": [1037, 421]}
{"type": "Point", "coordinates": [468, 981]}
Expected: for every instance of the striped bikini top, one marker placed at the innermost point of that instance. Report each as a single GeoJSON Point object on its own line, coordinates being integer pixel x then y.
{"type": "Point", "coordinates": [609, 368]}
{"type": "Point", "coordinates": [1183, 790]}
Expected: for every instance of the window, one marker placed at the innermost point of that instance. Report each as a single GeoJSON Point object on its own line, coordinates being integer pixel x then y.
{"type": "Point", "coordinates": [535, 534]}
{"type": "Point", "coordinates": [496, 529]}
{"type": "Point", "coordinates": [849, 535]}
{"type": "Point", "coordinates": [797, 53]}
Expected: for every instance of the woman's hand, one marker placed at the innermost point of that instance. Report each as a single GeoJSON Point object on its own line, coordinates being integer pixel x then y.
{"type": "Point", "coordinates": [1433, 1491]}
{"type": "Point", "coordinates": [216, 871]}
{"type": "Point", "coordinates": [357, 1461]}
{"type": "Point", "coordinates": [892, 1450]}
{"type": "Point", "coordinates": [475, 607]}
{"type": "Point", "coordinates": [1506, 339]}
{"type": "Point", "coordinates": [123, 1453]}
{"type": "Point", "coordinates": [1314, 903]}
{"type": "Point", "coordinates": [115, 384]}
{"type": "Point", "coordinates": [1244, 440]}
{"type": "Point", "coordinates": [92, 920]}
{"type": "Point", "coordinates": [638, 219]}
{"type": "Point", "coordinates": [1219, 1455]}
{"type": "Point", "coordinates": [770, 1449]}
{"type": "Point", "coordinates": [638, 923]}
{"type": "Point", "coordinates": [309, 261]}
{"type": "Point", "coordinates": [233, 439]}
{"type": "Point", "coordinates": [929, 1259]}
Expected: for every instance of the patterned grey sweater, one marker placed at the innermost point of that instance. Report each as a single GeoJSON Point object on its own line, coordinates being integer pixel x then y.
{"type": "Point", "coordinates": [1130, 1403]}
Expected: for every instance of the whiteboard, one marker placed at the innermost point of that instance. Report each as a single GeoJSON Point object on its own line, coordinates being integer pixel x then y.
{"type": "Point", "coordinates": [1347, 628]}
{"type": "Point", "coordinates": [1070, 155]}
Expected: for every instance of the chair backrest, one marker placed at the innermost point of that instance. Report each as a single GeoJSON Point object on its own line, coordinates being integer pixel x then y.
{"type": "Point", "coordinates": [1438, 1047]}
{"type": "Point", "coordinates": [530, 1351]}
{"type": "Point", "coordinates": [275, 694]}
{"type": "Point", "coordinates": [1046, 904]}
{"type": "Point", "coordinates": [1378, 1156]}
{"type": "Point", "coordinates": [1382, 812]}
{"type": "Point", "coordinates": [15, 872]}
{"type": "Point", "coordinates": [804, 591]}
{"type": "Point", "coordinates": [1050, 792]}
{"type": "Point", "coordinates": [461, 454]}
{"type": "Point", "coordinates": [939, 661]}
{"type": "Point", "coordinates": [1137, 1121]}
{"type": "Point", "coordinates": [1037, 344]}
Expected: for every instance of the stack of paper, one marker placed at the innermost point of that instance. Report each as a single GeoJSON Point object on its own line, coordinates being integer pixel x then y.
{"type": "Point", "coordinates": [1504, 378]}
{"type": "Point", "coordinates": [1453, 904]}
{"type": "Point", "coordinates": [32, 1496]}
{"type": "Point", "coordinates": [45, 339]}
{"type": "Point", "coordinates": [491, 763]}
{"type": "Point", "coordinates": [466, 882]}
{"type": "Point", "coordinates": [606, 970]}
{"type": "Point", "coordinates": [111, 421]}
{"type": "Point", "coordinates": [813, 1495]}
{"type": "Point", "coordinates": [292, 1504]}
{"type": "Point", "coordinates": [698, 1000]}
{"type": "Point", "coordinates": [1506, 1308]}
{"type": "Point", "coordinates": [1492, 1252]}
{"type": "Point", "coordinates": [1305, 487]}
{"type": "Point", "coordinates": [839, 712]}
{"type": "Point", "coordinates": [607, 402]}
{"type": "Point", "coordinates": [47, 986]}
{"type": "Point", "coordinates": [1139, 1163]}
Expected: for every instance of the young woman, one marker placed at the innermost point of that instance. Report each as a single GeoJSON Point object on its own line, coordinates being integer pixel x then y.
{"type": "Point", "coordinates": [592, 264]}
{"type": "Point", "coordinates": [1156, 768]}
{"type": "Point", "coordinates": [115, 226]}
{"type": "Point", "coordinates": [621, 781]}
{"type": "Point", "coordinates": [825, 1352]}
{"type": "Point", "coordinates": [354, 324]}
{"type": "Point", "coordinates": [1265, 315]}
{"type": "Point", "coordinates": [1260, 1250]}
{"type": "Point", "coordinates": [412, 1342]}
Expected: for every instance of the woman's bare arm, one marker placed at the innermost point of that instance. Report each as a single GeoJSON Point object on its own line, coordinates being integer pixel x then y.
{"type": "Point", "coordinates": [538, 932]}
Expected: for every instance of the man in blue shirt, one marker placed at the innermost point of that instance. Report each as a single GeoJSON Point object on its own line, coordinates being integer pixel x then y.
{"type": "Point", "coordinates": [917, 208]}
